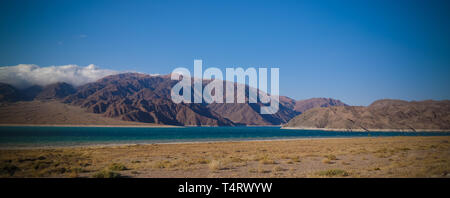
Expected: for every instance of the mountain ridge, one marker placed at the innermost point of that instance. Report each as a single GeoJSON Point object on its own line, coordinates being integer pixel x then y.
{"type": "Point", "coordinates": [146, 98]}
{"type": "Point", "coordinates": [383, 115]}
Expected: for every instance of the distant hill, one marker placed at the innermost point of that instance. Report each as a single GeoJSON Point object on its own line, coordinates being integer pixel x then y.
{"type": "Point", "coordinates": [304, 105]}
{"type": "Point", "coordinates": [380, 115]}
{"type": "Point", "coordinates": [8, 93]}
{"type": "Point", "coordinates": [39, 112]}
{"type": "Point", "coordinates": [55, 91]}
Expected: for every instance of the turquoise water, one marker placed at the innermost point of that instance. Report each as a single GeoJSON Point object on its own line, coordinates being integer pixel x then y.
{"type": "Point", "coordinates": [77, 136]}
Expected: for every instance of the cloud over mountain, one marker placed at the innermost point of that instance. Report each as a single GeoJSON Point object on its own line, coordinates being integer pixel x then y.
{"type": "Point", "coordinates": [26, 75]}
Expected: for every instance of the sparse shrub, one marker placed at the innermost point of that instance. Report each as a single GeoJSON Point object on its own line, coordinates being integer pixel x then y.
{"type": "Point", "coordinates": [407, 149]}
{"type": "Point", "coordinates": [327, 161]}
{"type": "Point", "coordinates": [59, 170]}
{"type": "Point", "coordinates": [278, 168]}
{"type": "Point", "coordinates": [117, 167]}
{"type": "Point", "coordinates": [161, 164]}
{"type": "Point", "coordinates": [41, 165]}
{"type": "Point", "coordinates": [334, 172]}
{"type": "Point", "coordinates": [345, 163]}
{"type": "Point", "coordinates": [331, 157]}
{"type": "Point", "coordinates": [216, 165]}
{"type": "Point", "coordinates": [262, 170]}
{"type": "Point", "coordinates": [202, 161]}
{"type": "Point", "coordinates": [236, 159]}
{"type": "Point", "coordinates": [295, 159]}
{"type": "Point", "coordinates": [73, 175]}
{"type": "Point", "coordinates": [266, 160]}
{"type": "Point", "coordinates": [77, 170]}
{"type": "Point", "coordinates": [8, 169]}
{"type": "Point", "coordinates": [41, 158]}
{"type": "Point", "coordinates": [106, 174]}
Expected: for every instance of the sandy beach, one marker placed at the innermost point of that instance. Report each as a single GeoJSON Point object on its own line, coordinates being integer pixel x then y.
{"type": "Point", "coordinates": [368, 130]}
{"type": "Point", "coordinates": [143, 125]}
{"type": "Point", "coordinates": [331, 157]}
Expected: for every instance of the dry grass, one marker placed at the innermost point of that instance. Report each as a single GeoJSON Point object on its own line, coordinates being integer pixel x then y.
{"type": "Point", "coordinates": [117, 167]}
{"type": "Point", "coordinates": [358, 157]}
{"type": "Point", "coordinates": [106, 174]}
{"type": "Point", "coordinates": [216, 165]}
{"type": "Point", "coordinates": [334, 173]}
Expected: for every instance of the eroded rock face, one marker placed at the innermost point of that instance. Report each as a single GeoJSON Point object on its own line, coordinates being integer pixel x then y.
{"type": "Point", "coordinates": [382, 114]}
{"type": "Point", "coordinates": [8, 93]}
{"type": "Point", "coordinates": [304, 105]}
{"type": "Point", "coordinates": [142, 98]}
{"type": "Point", "coordinates": [55, 91]}
{"type": "Point", "coordinates": [145, 98]}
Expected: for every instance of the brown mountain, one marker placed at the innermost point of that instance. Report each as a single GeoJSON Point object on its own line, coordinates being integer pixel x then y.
{"type": "Point", "coordinates": [145, 98]}
{"type": "Point", "coordinates": [30, 93]}
{"type": "Point", "coordinates": [380, 115]}
{"type": "Point", "coordinates": [248, 114]}
{"type": "Point", "coordinates": [53, 112]}
{"type": "Point", "coordinates": [8, 93]}
{"type": "Point", "coordinates": [55, 91]}
{"type": "Point", "coordinates": [142, 98]}
{"type": "Point", "coordinates": [304, 105]}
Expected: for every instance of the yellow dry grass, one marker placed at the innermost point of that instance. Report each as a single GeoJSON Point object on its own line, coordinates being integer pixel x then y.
{"type": "Point", "coordinates": [350, 157]}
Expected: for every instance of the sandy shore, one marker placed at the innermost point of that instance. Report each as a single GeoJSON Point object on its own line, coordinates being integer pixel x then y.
{"type": "Point", "coordinates": [143, 125]}
{"type": "Point", "coordinates": [368, 130]}
{"type": "Point", "coordinates": [333, 157]}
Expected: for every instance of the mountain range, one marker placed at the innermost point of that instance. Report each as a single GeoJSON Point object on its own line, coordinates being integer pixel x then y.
{"type": "Point", "coordinates": [146, 98]}
{"type": "Point", "coordinates": [384, 115]}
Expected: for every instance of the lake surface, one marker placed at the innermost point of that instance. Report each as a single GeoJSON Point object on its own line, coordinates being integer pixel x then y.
{"type": "Point", "coordinates": [78, 136]}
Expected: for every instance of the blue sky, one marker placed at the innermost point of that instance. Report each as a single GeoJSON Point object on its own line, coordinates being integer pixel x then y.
{"type": "Point", "coordinates": [356, 51]}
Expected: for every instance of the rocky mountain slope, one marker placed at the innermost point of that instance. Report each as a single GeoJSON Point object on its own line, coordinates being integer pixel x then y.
{"type": "Point", "coordinates": [380, 115]}
{"type": "Point", "coordinates": [145, 98]}
{"type": "Point", "coordinates": [55, 91]}
{"type": "Point", "coordinates": [304, 105]}
{"type": "Point", "coordinates": [40, 112]}
{"type": "Point", "coordinates": [8, 93]}
{"type": "Point", "coordinates": [142, 98]}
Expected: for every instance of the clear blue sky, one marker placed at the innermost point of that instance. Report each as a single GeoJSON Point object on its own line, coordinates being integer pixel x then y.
{"type": "Point", "coordinates": [357, 51]}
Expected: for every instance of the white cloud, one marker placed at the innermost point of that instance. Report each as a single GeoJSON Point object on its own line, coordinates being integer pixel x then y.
{"type": "Point", "coordinates": [24, 75]}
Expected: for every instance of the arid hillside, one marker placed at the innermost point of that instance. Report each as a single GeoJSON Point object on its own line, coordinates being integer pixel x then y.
{"type": "Point", "coordinates": [54, 113]}
{"type": "Point", "coordinates": [380, 115]}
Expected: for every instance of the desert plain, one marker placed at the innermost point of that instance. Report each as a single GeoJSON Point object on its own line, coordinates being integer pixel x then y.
{"type": "Point", "coordinates": [326, 157]}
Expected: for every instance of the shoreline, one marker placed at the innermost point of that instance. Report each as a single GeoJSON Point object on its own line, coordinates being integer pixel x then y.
{"type": "Point", "coordinates": [174, 126]}
{"type": "Point", "coordinates": [112, 145]}
{"type": "Point", "coordinates": [91, 125]}
{"type": "Point", "coordinates": [107, 145]}
{"type": "Point", "coordinates": [368, 130]}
